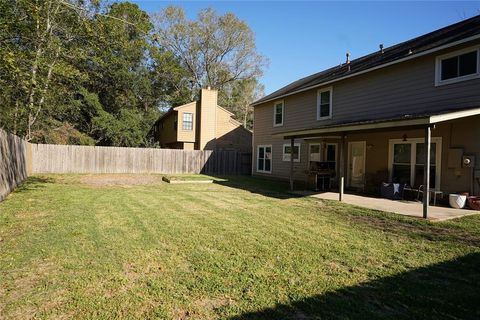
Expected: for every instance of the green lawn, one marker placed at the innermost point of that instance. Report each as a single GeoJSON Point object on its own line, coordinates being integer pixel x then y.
{"type": "Point", "coordinates": [236, 249]}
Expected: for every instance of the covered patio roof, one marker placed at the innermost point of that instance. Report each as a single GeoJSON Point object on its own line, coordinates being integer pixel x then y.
{"type": "Point", "coordinates": [424, 121]}
{"type": "Point", "coordinates": [416, 120]}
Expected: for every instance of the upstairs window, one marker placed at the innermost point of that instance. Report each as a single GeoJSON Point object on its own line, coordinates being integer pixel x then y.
{"type": "Point", "coordinates": [187, 121]}
{"type": "Point", "coordinates": [278, 109]}
{"type": "Point", "coordinates": [324, 104]}
{"type": "Point", "coordinates": [457, 66]}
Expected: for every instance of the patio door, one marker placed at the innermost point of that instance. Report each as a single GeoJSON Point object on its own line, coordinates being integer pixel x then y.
{"type": "Point", "coordinates": [356, 164]}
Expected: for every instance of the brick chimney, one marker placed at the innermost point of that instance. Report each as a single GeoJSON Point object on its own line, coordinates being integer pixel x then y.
{"type": "Point", "coordinates": [208, 119]}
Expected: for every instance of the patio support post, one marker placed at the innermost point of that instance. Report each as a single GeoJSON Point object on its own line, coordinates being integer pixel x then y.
{"type": "Point", "coordinates": [426, 171]}
{"type": "Point", "coordinates": [292, 145]}
{"type": "Point", "coordinates": [342, 169]}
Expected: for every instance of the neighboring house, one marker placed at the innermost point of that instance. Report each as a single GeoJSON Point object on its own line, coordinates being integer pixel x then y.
{"type": "Point", "coordinates": [202, 125]}
{"type": "Point", "coordinates": [378, 110]}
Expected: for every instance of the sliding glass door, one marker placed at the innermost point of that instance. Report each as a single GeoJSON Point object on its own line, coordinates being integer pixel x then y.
{"type": "Point", "coordinates": [407, 159]}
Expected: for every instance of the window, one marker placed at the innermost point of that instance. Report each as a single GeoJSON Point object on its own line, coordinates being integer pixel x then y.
{"type": "Point", "coordinates": [287, 151]}
{"type": "Point", "coordinates": [264, 159]}
{"type": "Point", "coordinates": [457, 66]}
{"type": "Point", "coordinates": [402, 163]}
{"type": "Point", "coordinates": [175, 123]}
{"type": "Point", "coordinates": [187, 121]}
{"type": "Point", "coordinates": [324, 104]}
{"type": "Point", "coordinates": [407, 162]}
{"type": "Point", "coordinates": [278, 114]}
{"type": "Point", "coordinates": [315, 154]}
{"type": "Point", "coordinates": [331, 155]}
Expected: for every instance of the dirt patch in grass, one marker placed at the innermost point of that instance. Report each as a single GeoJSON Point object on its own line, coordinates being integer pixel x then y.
{"type": "Point", "coordinates": [105, 180]}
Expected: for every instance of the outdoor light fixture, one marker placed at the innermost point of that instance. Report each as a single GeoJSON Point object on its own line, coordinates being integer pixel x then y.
{"type": "Point", "coordinates": [404, 137]}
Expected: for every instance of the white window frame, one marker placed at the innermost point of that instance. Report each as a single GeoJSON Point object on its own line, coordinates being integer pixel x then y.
{"type": "Point", "coordinates": [438, 67]}
{"type": "Point", "coordinates": [271, 158]}
{"type": "Point", "coordinates": [319, 92]}
{"type": "Point", "coordinates": [275, 113]}
{"type": "Point", "coordinates": [286, 156]}
{"type": "Point", "coordinates": [183, 121]}
{"type": "Point", "coordinates": [413, 142]}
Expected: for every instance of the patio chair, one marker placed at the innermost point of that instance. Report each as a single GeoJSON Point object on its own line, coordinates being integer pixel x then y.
{"type": "Point", "coordinates": [393, 191]}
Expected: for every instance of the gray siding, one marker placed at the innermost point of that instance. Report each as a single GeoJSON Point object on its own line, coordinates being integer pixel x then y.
{"type": "Point", "coordinates": [405, 88]}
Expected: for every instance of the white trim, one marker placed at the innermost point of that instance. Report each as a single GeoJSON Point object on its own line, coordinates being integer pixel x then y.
{"type": "Point", "coordinates": [275, 113]}
{"type": "Point", "coordinates": [254, 164]}
{"type": "Point", "coordinates": [271, 157]}
{"type": "Point", "coordinates": [438, 66]}
{"type": "Point", "coordinates": [455, 115]}
{"type": "Point", "coordinates": [413, 142]}
{"type": "Point", "coordinates": [319, 93]}
{"type": "Point", "coordinates": [349, 149]}
{"type": "Point", "coordinates": [413, 56]}
{"type": "Point", "coordinates": [297, 144]}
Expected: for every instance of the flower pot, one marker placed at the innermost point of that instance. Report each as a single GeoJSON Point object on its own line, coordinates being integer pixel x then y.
{"type": "Point", "coordinates": [474, 202]}
{"type": "Point", "coordinates": [457, 201]}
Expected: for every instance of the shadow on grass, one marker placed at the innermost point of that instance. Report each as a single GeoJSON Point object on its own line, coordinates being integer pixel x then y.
{"type": "Point", "coordinates": [34, 183]}
{"type": "Point", "coordinates": [413, 228]}
{"type": "Point", "coordinates": [268, 188]}
{"type": "Point", "coordinates": [448, 290]}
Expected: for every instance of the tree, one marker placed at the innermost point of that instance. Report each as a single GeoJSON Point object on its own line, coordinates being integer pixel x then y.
{"type": "Point", "coordinates": [80, 72]}
{"type": "Point", "coordinates": [216, 50]}
{"type": "Point", "coordinates": [238, 97]}
{"type": "Point", "coordinates": [36, 45]}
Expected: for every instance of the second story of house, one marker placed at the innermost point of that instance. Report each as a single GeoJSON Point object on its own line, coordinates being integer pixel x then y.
{"type": "Point", "coordinates": [201, 125]}
{"type": "Point", "coordinates": [430, 74]}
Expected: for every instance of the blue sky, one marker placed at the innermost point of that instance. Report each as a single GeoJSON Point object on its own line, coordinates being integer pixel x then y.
{"type": "Point", "coordinates": [301, 38]}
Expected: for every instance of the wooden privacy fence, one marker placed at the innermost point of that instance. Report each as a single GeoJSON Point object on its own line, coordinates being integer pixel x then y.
{"type": "Point", "coordinates": [13, 162]}
{"type": "Point", "coordinates": [88, 159]}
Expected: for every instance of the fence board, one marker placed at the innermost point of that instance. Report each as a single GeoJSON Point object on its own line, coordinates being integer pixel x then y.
{"type": "Point", "coordinates": [13, 162]}
{"type": "Point", "coordinates": [87, 159]}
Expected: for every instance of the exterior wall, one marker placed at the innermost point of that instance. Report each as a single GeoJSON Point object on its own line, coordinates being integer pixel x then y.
{"type": "Point", "coordinates": [208, 119]}
{"type": "Point", "coordinates": [186, 135]}
{"type": "Point", "coordinates": [166, 132]}
{"type": "Point", "coordinates": [188, 146]}
{"type": "Point", "coordinates": [401, 89]}
{"type": "Point", "coordinates": [230, 134]}
{"type": "Point", "coordinates": [462, 133]}
{"type": "Point", "coordinates": [404, 88]}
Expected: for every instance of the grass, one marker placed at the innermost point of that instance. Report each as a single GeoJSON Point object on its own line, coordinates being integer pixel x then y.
{"type": "Point", "coordinates": [236, 249]}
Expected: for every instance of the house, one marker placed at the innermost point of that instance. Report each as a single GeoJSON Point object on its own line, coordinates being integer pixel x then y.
{"type": "Point", "coordinates": [369, 120]}
{"type": "Point", "coordinates": [202, 125]}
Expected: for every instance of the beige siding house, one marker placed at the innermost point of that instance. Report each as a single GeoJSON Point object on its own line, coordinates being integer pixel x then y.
{"type": "Point", "coordinates": [369, 120]}
{"type": "Point", "coordinates": [202, 125]}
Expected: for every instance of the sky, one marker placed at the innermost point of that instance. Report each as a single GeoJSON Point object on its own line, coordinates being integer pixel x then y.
{"type": "Point", "coordinates": [302, 38]}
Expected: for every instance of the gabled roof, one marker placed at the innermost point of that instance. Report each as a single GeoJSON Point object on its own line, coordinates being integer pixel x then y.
{"type": "Point", "coordinates": [456, 33]}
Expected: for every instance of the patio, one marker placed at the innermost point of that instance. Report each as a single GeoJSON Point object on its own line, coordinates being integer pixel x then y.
{"type": "Point", "coordinates": [403, 207]}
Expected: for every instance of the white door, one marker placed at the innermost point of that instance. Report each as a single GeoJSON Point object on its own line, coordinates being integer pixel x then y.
{"type": "Point", "coordinates": [356, 164]}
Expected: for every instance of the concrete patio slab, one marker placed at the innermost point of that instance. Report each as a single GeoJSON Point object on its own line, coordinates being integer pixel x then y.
{"type": "Point", "coordinates": [407, 208]}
